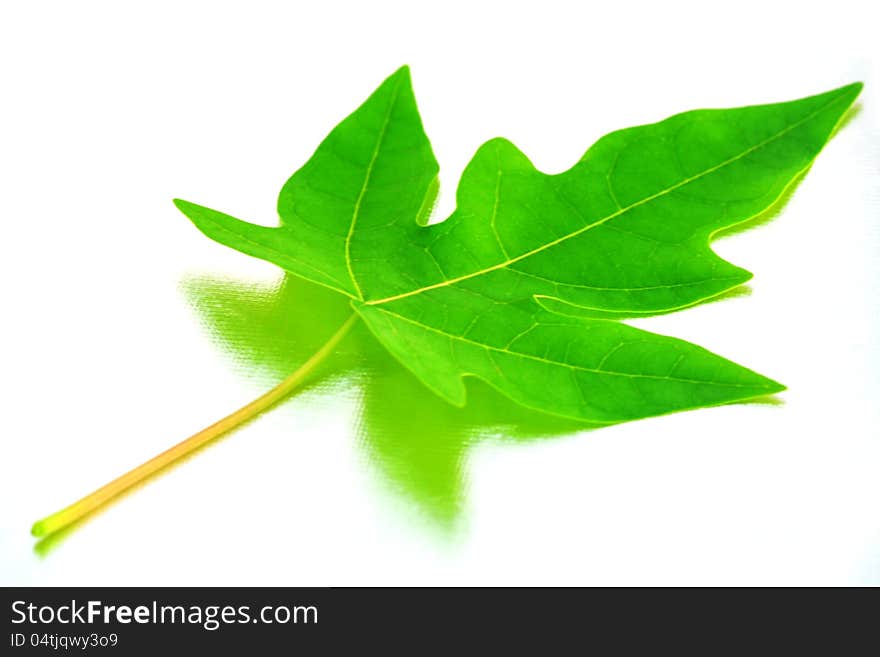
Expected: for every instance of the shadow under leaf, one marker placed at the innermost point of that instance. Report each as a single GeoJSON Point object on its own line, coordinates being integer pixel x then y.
{"type": "Point", "coordinates": [416, 441]}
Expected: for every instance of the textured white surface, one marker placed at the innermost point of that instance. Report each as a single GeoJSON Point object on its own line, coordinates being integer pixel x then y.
{"type": "Point", "coordinates": [109, 112]}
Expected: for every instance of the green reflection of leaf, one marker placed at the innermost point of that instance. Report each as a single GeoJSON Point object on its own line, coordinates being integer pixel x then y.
{"type": "Point", "coordinates": [417, 441]}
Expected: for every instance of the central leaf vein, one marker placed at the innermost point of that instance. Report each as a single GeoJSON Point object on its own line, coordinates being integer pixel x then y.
{"type": "Point", "coordinates": [369, 172]}
{"type": "Point", "coordinates": [578, 368]}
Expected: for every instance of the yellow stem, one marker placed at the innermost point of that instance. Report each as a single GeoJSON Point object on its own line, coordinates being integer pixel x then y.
{"type": "Point", "coordinates": [100, 497]}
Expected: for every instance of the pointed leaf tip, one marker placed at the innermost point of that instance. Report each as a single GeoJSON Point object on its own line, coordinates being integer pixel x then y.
{"type": "Point", "coordinates": [846, 93]}
{"type": "Point", "coordinates": [852, 90]}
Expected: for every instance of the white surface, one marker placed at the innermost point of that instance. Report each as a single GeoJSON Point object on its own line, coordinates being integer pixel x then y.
{"type": "Point", "coordinates": [108, 112]}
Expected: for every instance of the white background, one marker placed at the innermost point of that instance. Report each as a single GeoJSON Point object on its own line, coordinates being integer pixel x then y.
{"type": "Point", "coordinates": [108, 111]}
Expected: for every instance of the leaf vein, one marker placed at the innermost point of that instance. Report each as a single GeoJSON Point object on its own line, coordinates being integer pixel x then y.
{"type": "Point", "coordinates": [599, 222]}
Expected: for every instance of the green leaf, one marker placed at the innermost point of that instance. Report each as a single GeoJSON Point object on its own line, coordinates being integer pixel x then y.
{"type": "Point", "coordinates": [524, 285]}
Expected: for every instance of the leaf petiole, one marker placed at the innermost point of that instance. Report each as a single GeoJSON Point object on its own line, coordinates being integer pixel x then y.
{"type": "Point", "coordinates": [106, 493]}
